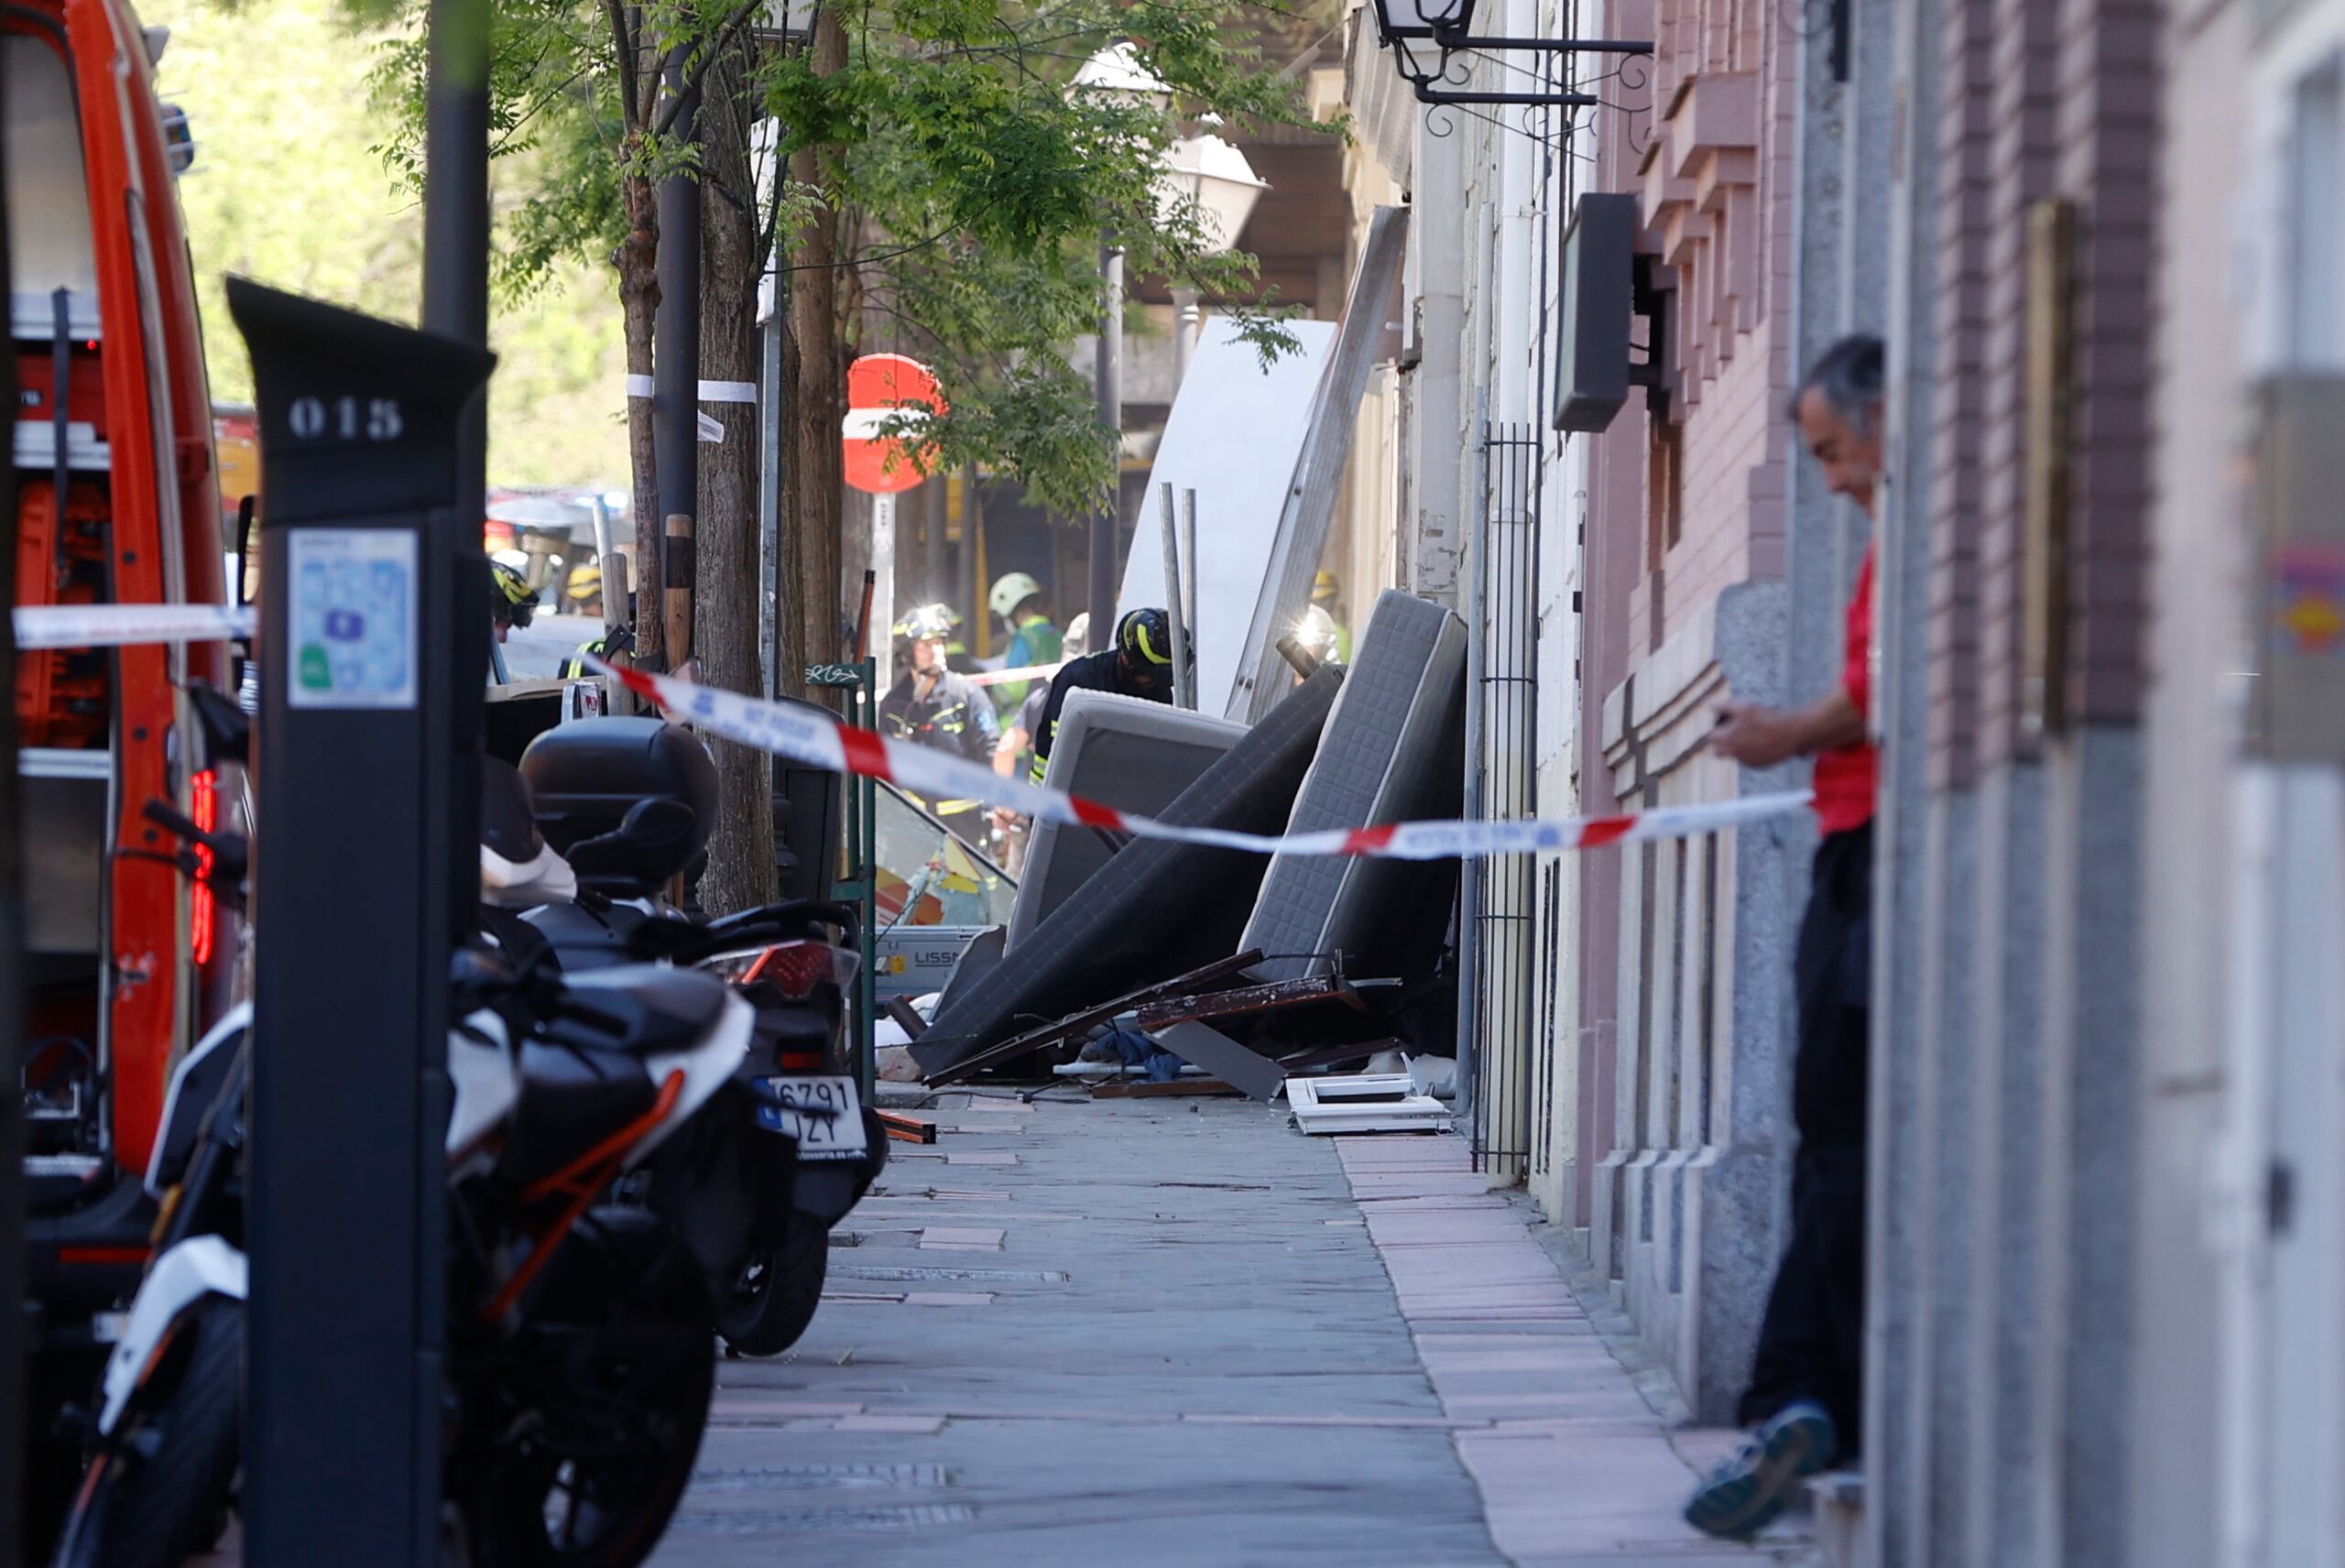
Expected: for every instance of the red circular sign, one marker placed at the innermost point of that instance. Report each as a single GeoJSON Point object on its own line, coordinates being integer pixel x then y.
{"type": "Point", "coordinates": [877, 385]}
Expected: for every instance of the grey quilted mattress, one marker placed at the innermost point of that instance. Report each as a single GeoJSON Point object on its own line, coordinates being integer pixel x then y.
{"type": "Point", "coordinates": [1393, 750]}
{"type": "Point", "coordinates": [1157, 909]}
{"type": "Point", "coordinates": [1136, 756]}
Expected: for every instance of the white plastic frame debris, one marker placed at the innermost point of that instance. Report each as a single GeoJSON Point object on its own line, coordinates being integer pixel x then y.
{"type": "Point", "coordinates": [1364, 1102]}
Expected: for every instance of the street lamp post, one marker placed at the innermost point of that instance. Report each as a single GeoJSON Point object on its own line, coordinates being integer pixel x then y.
{"type": "Point", "coordinates": [1213, 176]}
{"type": "Point", "coordinates": [1186, 318]}
{"type": "Point", "coordinates": [1116, 72]}
{"type": "Point", "coordinates": [1108, 383]}
{"type": "Point", "coordinates": [1203, 172]}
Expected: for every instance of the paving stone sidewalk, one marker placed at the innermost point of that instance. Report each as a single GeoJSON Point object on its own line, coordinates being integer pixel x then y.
{"type": "Point", "coordinates": [1144, 1332]}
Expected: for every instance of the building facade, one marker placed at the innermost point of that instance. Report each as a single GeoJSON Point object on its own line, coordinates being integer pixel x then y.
{"type": "Point", "coordinates": [1626, 1012]}
{"type": "Point", "coordinates": [2105, 240]}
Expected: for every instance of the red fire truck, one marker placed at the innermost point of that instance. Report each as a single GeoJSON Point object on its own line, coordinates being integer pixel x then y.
{"type": "Point", "coordinates": [127, 958]}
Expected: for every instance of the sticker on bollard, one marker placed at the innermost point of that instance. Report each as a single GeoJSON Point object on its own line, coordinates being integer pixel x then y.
{"type": "Point", "coordinates": [354, 608]}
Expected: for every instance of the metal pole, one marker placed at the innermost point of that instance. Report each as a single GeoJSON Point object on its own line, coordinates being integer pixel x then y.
{"type": "Point", "coordinates": [1189, 583]}
{"type": "Point", "coordinates": [883, 565]}
{"type": "Point", "coordinates": [456, 222]}
{"type": "Point", "coordinates": [14, 1362]}
{"type": "Point", "coordinates": [936, 577]}
{"type": "Point", "coordinates": [968, 565]}
{"type": "Point", "coordinates": [1183, 687]}
{"type": "Point", "coordinates": [1470, 872]}
{"type": "Point", "coordinates": [1109, 386]}
{"type": "Point", "coordinates": [769, 502]}
{"type": "Point", "coordinates": [605, 544]}
{"type": "Point", "coordinates": [456, 191]}
{"type": "Point", "coordinates": [675, 357]}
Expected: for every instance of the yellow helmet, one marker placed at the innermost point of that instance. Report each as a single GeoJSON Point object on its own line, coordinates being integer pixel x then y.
{"type": "Point", "coordinates": [584, 582]}
{"type": "Point", "coordinates": [1324, 588]}
{"type": "Point", "coordinates": [516, 600]}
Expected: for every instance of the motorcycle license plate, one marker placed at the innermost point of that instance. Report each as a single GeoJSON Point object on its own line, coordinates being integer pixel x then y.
{"type": "Point", "coordinates": [821, 1114]}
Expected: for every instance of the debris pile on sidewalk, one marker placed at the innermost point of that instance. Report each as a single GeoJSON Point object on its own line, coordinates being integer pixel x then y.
{"type": "Point", "coordinates": [1251, 972]}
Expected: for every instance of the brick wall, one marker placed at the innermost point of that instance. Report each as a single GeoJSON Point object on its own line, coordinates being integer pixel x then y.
{"type": "Point", "coordinates": [1716, 184]}
{"type": "Point", "coordinates": [1966, 142]}
{"type": "Point", "coordinates": [2022, 168]}
{"type": "Point", "coordinates": [2040, 101]}
{"type": "Point", "coordinates": [2107, 116]}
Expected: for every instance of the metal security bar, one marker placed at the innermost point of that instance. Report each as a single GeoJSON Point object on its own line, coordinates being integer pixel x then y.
{"type": "Point", "coordinates": [1506, 915]}
{"type": "Point", "coordinates": [1551, 1005]}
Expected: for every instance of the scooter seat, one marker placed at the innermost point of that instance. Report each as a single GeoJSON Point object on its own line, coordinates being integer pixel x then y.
{"type": "Point", "coordinates": [586, 940]}
{"type": "Point", "coordinates": [639, 1009]}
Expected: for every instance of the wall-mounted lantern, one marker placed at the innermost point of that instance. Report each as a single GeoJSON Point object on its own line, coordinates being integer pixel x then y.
{"type": "Point", "coordinates": [1423, 34]}
{"type": "Point", "coordinates": [784, 22]}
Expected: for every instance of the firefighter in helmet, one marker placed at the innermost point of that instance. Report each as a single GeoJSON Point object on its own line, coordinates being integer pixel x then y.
{"type": "Point", "coordinates": [930, 705]}
{"type": "Point", "coordinates": [1137, 663]}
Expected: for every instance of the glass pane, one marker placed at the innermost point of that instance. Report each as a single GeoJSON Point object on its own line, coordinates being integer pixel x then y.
{"type": "Point", "coordinates": [929, 876]}
{"type": "Point", "coordinates": [49, 200]}
{"type": "Point", "coordinates": [2316, 328]}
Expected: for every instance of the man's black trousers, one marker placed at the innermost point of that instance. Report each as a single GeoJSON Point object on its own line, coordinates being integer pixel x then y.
{"type": "Point", "coordinates": [1811, 1343]}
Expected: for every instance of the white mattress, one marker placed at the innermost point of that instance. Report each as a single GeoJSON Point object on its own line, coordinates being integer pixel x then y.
{"type": "Point", "coordinates": [1132, 755]}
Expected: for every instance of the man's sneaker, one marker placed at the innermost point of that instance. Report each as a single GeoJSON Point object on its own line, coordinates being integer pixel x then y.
{"type": "Point", "coordinates": [1744, 1495]}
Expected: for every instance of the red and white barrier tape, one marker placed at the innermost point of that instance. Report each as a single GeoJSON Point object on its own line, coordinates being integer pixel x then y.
{"type": "Point", "coordinates": [121, 626]}
{"type": "Point", "coordinates": [1023, 673]}
{"type": "Point", "coordinates": [818, 740]}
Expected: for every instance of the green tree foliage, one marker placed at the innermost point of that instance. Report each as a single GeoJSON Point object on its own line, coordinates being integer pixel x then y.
{"type": "Point", "coordinates": [290, 187]}
{"type": "Point", "coordinates": [971, 185]}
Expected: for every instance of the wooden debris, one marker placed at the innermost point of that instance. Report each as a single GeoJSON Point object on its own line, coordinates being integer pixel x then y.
{"type": "Point", "coordinates": [905, 1128]}
{"type": "Point", "coordinates": [1076, 1023]}
{"type": "Point", "coordinates": [1177, 1088]}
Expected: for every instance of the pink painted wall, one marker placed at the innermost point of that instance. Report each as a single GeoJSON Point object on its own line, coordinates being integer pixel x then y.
{"type": "Point", "coordinates": [1713, 167]}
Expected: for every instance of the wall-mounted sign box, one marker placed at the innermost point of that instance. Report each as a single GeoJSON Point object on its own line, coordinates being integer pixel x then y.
{"type": "Point", "coordinates": [1592, 369]}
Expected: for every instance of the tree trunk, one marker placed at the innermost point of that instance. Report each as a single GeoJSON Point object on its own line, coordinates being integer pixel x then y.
{"type": "Point", "coordinates": [638, 260]}
{"type": "Point", "coordinates": [740, 872]}
{"type": "Point", "coordinates": [818, 404]}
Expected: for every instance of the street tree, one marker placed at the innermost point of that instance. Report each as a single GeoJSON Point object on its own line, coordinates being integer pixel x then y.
{"type": "Point", "coordinates": [934, 183]}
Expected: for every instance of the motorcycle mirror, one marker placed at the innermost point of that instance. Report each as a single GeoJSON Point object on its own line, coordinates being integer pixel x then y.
{"type": "Point", "coordinates": [227, 728]}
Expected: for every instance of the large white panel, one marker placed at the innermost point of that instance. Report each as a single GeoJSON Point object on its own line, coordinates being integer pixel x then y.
{"type": "Point", "coordinates": [1234, 436]}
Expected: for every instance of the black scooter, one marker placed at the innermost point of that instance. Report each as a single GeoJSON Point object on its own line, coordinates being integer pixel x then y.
{"type": "Point", "coordinates": [627, 803]}
{"type": "Point", "coordinates": [578, 1334]}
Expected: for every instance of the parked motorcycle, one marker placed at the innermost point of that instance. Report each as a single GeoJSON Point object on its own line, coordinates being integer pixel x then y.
{"type": "Point", "coordinates": [580, 1347]}
{"type": "Point", "coordinates": [628, 802]}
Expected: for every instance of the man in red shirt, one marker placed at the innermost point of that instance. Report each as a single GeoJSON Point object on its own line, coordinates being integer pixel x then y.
{"type": "Point", "coordinates": [1805, 1375]}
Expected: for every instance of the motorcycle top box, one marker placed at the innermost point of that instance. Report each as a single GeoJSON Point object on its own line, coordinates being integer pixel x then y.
{"type": "Point", "coordinates": [627, 802]}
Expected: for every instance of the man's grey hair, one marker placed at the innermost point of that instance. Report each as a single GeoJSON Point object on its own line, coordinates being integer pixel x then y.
{"type": "Point", "coordinates": [1849, 374]}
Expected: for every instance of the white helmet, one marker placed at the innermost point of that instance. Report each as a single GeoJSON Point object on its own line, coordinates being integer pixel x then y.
{"type": "Point", "coordinates": [1011, 590]}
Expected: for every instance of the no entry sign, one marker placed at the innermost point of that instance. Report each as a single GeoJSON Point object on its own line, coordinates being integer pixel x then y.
{"type": "Point", "coordinates": [879, 387]}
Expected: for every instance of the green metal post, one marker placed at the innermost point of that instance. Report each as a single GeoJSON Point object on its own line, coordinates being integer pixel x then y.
{"type": "Point", "coordinates": [868, 856]}
{"type": "Point", "coordinates": [860, 811]}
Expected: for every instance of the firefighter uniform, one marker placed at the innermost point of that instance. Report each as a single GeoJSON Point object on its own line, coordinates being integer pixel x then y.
{"type": "Point", "coordinates": [952, 714]}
